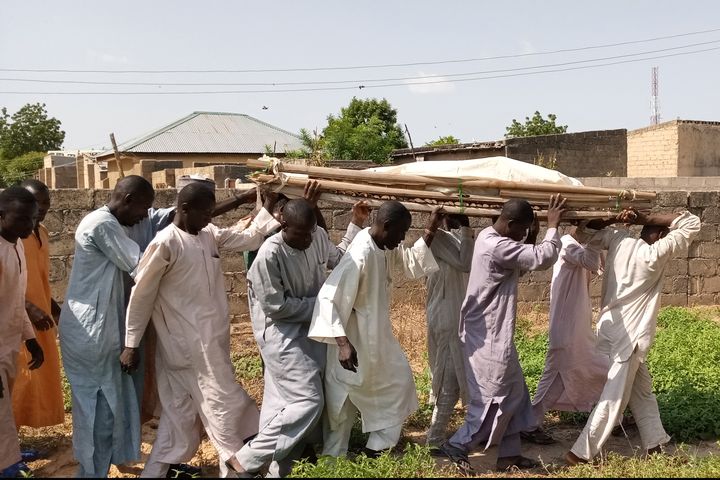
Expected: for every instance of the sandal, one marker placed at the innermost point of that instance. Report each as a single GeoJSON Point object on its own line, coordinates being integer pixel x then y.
{"type": "Point", "coordinates": [458, 457]}
{"type": "Point", "coordinates": [537, 436]}
{"type": "Point", "coordinates": [519, 462]}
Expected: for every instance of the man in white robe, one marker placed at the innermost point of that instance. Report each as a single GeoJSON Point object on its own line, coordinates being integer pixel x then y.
{"type": "Point", "coordinates": [106, 419]}
{"type": "Point", "coordinates": [500, 405]}
{"type": "Point", "coordinates": [366, 369]}
{"type": "Point", "coordinates": [18, 212]}
{"type": "Point", "coordinates": [575, 371]}
{"type": "Point", "coordinates": [453, 250]}
{"type": "Point", "coordinates": [180, 285]}
{"type": "Point", "coordinates": [626, 328]}
{"type": "Point", "coordinates": [285, 277]}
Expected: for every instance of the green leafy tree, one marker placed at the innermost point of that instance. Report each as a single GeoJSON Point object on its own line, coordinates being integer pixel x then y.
{"type": "Point", "coordinates": [447, 140]}
{"type": "Point", "coordinates": [312, 148]}
{"type": "Point", "coordinates": [536, 125]}
{"type": "Point", "coordinates": [364, 130]}
{"type": "Point", "coordinates": [20, 168]}
{"type": "Point", "coordinates": [28, 130]}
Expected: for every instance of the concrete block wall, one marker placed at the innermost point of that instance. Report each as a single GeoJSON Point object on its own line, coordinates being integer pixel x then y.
{"type": "Point", "coordinates": [582, 154]}
{"type": "Point", "coordinates": [690, 279]}
{"type": "Point", "coordinates": [653, 151]}
{"type": "Point", "coordinates": [698, 148]}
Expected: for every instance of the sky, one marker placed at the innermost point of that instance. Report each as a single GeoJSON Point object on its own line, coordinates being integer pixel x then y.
{"type": "Point", "coordinates": [290, 35]}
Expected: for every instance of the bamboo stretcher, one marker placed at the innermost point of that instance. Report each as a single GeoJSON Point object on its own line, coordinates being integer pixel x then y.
{"type": "Point", "coordinates": [473, 197]}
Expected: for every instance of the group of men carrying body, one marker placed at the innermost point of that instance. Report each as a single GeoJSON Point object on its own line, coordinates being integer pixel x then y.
{"type": "Point", "coordinates": [326, 340]}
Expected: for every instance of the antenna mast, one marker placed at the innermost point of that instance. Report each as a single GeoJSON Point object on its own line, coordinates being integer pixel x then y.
{"type": "Point", "coordinates": [654, 106]}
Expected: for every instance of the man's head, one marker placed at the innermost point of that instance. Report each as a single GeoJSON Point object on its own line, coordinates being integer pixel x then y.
{"type": "Point", "coordinates": [42, 195]}
{"type": "Point", "coordinates": [515, 219]}
{"type": "Point", "coordinates": [279, 205]}
{"type": "Point", "coordinates": [652, 233]}
{"type": "Point", "coordinates": [298, 223]}
{"type": "Point", "coordinates": [454, 221]}
{"type": "Point", "coordinates": [391, 224]}
{"type": "Point", "coordinates": [196, 203]}
{"type": "Point", "coordinates": [18, 213]}
{"type": "Point", "coordinates": [131, 199]}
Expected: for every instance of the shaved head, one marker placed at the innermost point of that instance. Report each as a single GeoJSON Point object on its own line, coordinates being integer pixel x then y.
{"type": "Point", "coordinates": [298, 223]}
{"type": "Point", "coordinates": [518, 210]}
{"type": "Point", "coordinates": [18, 213]}
{"type": "Point", "coordinates": [42, 195]}
{"type": "Point", "coordinates": [392, 211]}
{"type": "Point", "coordinates": [35, 186]}
{"type": "Point", "coordinates": [12, 195]}
{"type": "Point", "coordinates": [299, 212]}
{"type": "Point", "coordinates": [195, 194]}
{"type": "Point", "coordinates": [133, 185]}
{"type": "Point", "coordinates": [131, 199]}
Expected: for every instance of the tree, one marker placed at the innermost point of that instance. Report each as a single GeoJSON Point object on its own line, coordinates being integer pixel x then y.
{"type": "Point", "coordinates": [536, 125]}
{"type": "Point", "coordinates": [448, 140]}
{"type": "Point", "coordinates": [364, 130]}
{"type": "Point", "coordinates": [20, 168]}
{"type": "Point", "coordinates": [312, 148]}
{"type": "Point", "coordinates": [28, 130]}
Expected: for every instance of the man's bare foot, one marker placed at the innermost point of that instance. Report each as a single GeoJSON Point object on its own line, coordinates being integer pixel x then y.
{"type": "Point", "coordinates": [572, 459]}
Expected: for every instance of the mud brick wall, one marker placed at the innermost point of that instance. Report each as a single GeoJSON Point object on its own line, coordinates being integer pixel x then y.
{"type": "Point", "coordinates": [693, 279]}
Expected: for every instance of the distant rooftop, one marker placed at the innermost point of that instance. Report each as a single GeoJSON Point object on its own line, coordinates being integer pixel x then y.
{"type": "Point", "coordinates": [213, 132]}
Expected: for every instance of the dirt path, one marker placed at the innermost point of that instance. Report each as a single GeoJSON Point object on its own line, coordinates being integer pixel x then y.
{"type": "Point", "coordinates": [56, 441]}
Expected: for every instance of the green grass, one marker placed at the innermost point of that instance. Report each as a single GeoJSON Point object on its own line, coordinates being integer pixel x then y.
{"type": "Point", "coordinates": [423, 415]}
{"type": "Point", "coordinates": [678, 465]}
{"type": "Point", "coordinates": [67, 393]}
{"type": "Point", "coordinates": [247, 367]}
{"type": "Point", "coordinates": [414, 462]}
{"type": "Point", "coordinates": [684, 363]}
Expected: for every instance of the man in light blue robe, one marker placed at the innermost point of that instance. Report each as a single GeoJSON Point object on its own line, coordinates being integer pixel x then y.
{"type": "Point", "coordinates": [106, 422]}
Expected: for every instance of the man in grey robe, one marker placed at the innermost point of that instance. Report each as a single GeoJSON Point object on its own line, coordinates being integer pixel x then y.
{"type": "Point", "coordinates": [500, 405]}
{"type": "Point", "coordinates": [453, 250]}
{"type": "Point", "coordinates": [284, 280]}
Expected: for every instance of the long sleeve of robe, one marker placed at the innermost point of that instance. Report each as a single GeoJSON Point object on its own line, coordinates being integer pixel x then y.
{"type": "Point", "coordinates": [487, 327]}
{"type": "Point", "coordinates": [573, 354]}
{"type": "Point", "coordinates": [283, 283]}
{"type": "Point", "coordinates": [633, 283]}
{"type": "Point", "coordinates": [355, 302]}
{"type": "Point", "coordinates": [453, 252]}
{"type": "Point", "coordinates": [37, 394]}
{"type": "Point", "coordinates": [91, 331]}
{"type": "Point", "coordinates": [14, 324]}
{"type": "Point", "coordinates": [180, 285]}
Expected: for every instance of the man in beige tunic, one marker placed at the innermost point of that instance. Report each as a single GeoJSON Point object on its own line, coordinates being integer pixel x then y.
{"type": "Point", "coordinates": [366, 368]}
{"type": "Point", "coordinates": [180, 285]}
{"type": "Point", "coordinates": [628, 318]}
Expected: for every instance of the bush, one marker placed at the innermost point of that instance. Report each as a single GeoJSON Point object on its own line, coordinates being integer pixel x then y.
{"type": "Point", "coordinates": [684, 363]}
{"type": "Point", "coordinates": [414, 462]}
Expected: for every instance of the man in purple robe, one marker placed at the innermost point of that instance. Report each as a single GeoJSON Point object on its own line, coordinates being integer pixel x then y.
{"type": "Point", "coordinates": [500, 406]}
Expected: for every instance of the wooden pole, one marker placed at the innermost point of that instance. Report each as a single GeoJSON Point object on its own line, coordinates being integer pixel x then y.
{"type": "Point", "coordinates": [296, 192]}
{"type": "Point", "coordinates": [117, 155]}
{"type": "Point", "coordinates": [412, 148]}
